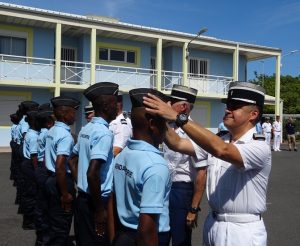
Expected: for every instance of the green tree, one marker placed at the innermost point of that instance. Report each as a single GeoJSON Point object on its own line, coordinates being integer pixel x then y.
{"type": "Point", "coordinates": [289, 91]}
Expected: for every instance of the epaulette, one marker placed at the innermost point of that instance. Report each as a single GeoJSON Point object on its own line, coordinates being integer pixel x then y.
{"type": "Point", "coordinates": [257, 136]}
{"type": "Point", "coordinates": [123, 121]}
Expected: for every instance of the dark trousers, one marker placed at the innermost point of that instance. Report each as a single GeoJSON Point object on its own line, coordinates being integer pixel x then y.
{"type": "Point", "coordinates": [84, 222]}
{"type": "Point", "coordinates": [29, 189]}
{"type": "Point", "coordinates": [41, 206]}
{"type": "Point", "coordinates": [59, 220]}
{"type": "Point", "coordinates": [127, 237]}
{"type": "Point", "coordinates": [13, 146]}
{"type": "Point", "coordinates": [181, 196]}
{"type": "Point", "coordinates": [18, 155]}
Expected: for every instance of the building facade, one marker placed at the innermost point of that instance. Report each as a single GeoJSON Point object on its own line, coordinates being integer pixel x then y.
{"type": "Point", "coordinates": [45, 53]}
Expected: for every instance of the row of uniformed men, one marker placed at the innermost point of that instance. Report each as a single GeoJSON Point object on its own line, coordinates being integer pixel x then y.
{"type": "Point", "coordinates": [43, 161]}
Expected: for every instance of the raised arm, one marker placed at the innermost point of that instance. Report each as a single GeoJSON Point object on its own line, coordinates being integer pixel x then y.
{"type": "Point", "coordinates": [176, 143]}
{"type": "Point", "coordinates": [201, 136]}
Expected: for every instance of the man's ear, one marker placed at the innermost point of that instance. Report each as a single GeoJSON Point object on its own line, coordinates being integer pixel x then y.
{"type": "Point", "coordinates": [254, 114]}
{"type": "Point", "coordinates": [152, 125]}
{"type": "Point", "coordinates": [184, 107]}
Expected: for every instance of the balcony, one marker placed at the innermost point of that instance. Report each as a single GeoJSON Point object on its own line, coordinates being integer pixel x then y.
{"type": "Point", "coordinates": [20, 70]}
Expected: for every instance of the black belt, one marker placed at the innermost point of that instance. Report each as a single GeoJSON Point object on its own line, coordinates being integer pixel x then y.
{"type": "Point", "coordinates": [51, 173]}
{"type": "Point", "coordinates": [183, 185]}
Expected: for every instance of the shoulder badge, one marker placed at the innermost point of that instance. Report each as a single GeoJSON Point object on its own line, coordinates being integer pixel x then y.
{"type": "Point", "coordinates": [123, 122]}
{"type": "Point", "coordinates": [257, 136]}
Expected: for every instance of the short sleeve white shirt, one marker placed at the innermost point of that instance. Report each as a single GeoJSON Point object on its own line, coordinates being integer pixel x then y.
{"type": "Point", "coordinates": [240, 190]}
{"type": "Point", "coordinates": [122, 131]}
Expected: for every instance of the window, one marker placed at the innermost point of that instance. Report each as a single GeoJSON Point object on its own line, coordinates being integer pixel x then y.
{"type": "Point", "coordinates": [198, 67]}
{"type": "Point", "coordinates": [12, 46]}
{"type": "Point", "coordinates": [68, 56]}
{"type": "Point", "coordinates": [115, 55]}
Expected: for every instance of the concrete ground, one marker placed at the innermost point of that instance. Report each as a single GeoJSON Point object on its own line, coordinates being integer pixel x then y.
{"type": "Point", "coordinates": [282, 218]}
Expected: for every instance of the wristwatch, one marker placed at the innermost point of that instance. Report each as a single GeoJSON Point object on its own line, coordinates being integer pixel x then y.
{"type": "Point", "coordinates": [195, 210]}
{"type": "Point", "coordinates": [181, 119]}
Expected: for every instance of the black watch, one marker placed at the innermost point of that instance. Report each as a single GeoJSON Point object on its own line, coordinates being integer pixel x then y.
{"type": "Point", "coordinates": [195, 210]}
{"type": "Point", "coordinates": [181, 119]}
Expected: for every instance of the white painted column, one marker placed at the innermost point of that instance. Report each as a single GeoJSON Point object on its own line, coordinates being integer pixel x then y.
{"type": "Point", "coordinates": [185, 60]}
{"type": "Point", "coordinates": [93, 55]}
{"type": "Point", "coordinates": [236, 55]}
{"type": "Point", "coordinates": [57, 59]}
{"type": "Point", "coordinates": [158, 64]}
{"type": "Point", "coordinates": [277, 85]}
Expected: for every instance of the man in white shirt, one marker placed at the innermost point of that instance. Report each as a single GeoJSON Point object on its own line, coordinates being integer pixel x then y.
{"type": "Point", "coordinates": [120, 127]}
{"type": "Point", "coordinates": [238, 169]}
{"type": "Point", "coordinates": [276, 126]}
{"type": "Point", "coordinates": [267, 130]}
{"type": "Point", "coordinates": [187, 174]}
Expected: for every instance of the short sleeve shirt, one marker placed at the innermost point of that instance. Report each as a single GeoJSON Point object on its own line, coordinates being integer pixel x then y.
{"type": "Point", "coordinates": [239, 190]}
{"type": "Point", "coordinates": [22, 128]}
{"type": "Point", "coordinates": [266, 127]}
{"type": "Point", "coordinates": [42, 144]}
{"type": "Point", "coordinates": [276, 126]}
{"type": "Point", "coordinates": [142, 184]}
{"type": "Point", "coordinates": [59, 141]}
{"type": "Point", "coordinates": [95, 142]}
{"type": "Point", "coordinates": [13, 132]}
{"type": "Point", "coordinates": [182, 167]}
{"type": "Point", "coordinates": [30, 146]}
{"type": "Point", "coordinates": [121, 130]}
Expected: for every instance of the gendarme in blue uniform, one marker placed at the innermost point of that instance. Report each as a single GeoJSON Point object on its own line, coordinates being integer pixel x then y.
{"type": "Point", "coordinates": [42, 143]}
{"type": "Point", "coordinates": [142, 184]}
{"type": "Point", "coordinates": [95, 142]}
{"type": "Point", "coordinates": [59, 141]}
{"type": "Point", "coordinates": [30, 146]}
{"type": "Point", "coordinates": [21, 129]}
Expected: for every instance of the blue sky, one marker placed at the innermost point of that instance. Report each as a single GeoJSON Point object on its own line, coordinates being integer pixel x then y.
{"type": "Point", "coordinates": [273, 23]}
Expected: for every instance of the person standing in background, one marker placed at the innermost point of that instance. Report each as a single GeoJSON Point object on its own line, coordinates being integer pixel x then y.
{"type": "Point", "coordinates": [267, 130]}
{"type": "Point", "coordinates": [290, 131]}
{"type": "Point", "coordinates": [276, 128]}
{"type": "Point", "coordinates": [89, 112]}
{"type": "Point", "coordinates": [120, 127]}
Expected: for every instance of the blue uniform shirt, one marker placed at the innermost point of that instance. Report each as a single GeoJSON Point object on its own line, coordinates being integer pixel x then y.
{"type": "Point", "coordinates": [30, 145]}
{"type": "Point", "coordinates": [142, 184]}
{"type": "Point", "coordinates": [59, 141]}
{"type": "Point", "coordinates": [21, 129]}
{"type": "Point", "coordinates": [95, 141]}
{"type": "Point", "coordinates": [13, 132]}
{"type": "Point", "coordinates": [42, 144]}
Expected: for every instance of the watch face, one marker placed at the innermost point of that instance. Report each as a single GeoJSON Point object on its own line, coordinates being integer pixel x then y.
{"type": "Point", "coordinates": [183, 117]}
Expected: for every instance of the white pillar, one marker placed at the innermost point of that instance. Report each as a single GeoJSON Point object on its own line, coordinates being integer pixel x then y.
{"type": "Point", "coordinates": [236, 55]}
{"type": "Point", "coordinates": [57, 59]}
{"type": "Point", "coordinates": [277, 85]}
{"type": "Point", "coordinates": [185, 60]}
{"type": "Point", "coordinates": [93, 55]}
{"type": "Point", "coordinates": [158, 64]}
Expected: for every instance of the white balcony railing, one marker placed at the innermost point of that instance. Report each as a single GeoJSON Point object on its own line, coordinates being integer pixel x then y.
{"type": "Point", "coordinates": [209, 83]}
{"type": "Point", "coordinates": [170, 78]}
{"type": "Point", "coordinates": [127, 77]}
{"type": "Point", "coordinates": [75, 73]}
{"type": "Point", "coordinates": [32, 69]}
{"type": "Point", "coordinates": [26, 69]}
